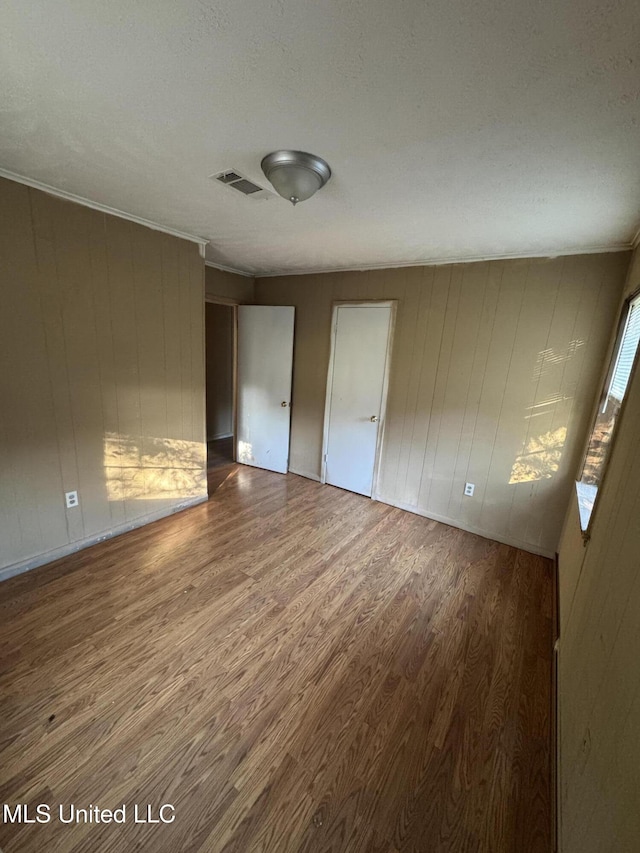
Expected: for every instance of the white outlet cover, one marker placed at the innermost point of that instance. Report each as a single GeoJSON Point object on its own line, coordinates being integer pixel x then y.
{"type": "Point", "coordinates": [71, 499]}
{"type": "Point", "coordinates": [469, 488]}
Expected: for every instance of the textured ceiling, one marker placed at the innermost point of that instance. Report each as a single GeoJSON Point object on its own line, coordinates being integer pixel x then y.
{"type": "Point", "coordinates": [454, 128]}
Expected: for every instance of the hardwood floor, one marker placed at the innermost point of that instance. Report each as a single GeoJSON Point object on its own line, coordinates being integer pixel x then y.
{"type": "Point", "coordinates": [219, 461]}
{"type": "Point", "coordinates": [292, 667]}
{"type": "Point", "coordinates": [219, 452]}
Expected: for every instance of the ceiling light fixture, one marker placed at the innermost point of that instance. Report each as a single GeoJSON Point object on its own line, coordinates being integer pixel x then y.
{"type": "Point", "coordinates": [296, 175]}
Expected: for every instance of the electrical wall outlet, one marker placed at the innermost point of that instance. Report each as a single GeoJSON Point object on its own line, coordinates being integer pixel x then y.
{"type": "Point", "coordinates": [71, 499]}
{"type": "Point", "coordinates": [468, 489]}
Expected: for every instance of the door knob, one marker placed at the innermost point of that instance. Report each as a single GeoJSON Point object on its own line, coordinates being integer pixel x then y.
{"type": "Point", "coordinates": [284, 404]}
{"type": "Point", "coordinates": [374, 419]}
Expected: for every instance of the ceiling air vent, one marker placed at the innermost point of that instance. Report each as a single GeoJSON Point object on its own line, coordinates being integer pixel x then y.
{"type": "Point", "coordinates": [232, 178]}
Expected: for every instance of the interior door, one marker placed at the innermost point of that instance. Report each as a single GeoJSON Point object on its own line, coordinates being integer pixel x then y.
{"type": "Point", "coordinates": [356, 386]}
{"type": "Point", "coordinates": [265, 362]}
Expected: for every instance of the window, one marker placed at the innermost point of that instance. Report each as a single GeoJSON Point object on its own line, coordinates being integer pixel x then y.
{"type": "Point", "coordinates": [613, 394]}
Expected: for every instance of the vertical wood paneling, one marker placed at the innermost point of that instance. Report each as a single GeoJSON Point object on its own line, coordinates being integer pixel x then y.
{"type": "Point", "coordinates": [458, 505]}
{"type": "Point", "coordinates": [41, 439]}
{"type": "Point", "coordinates": [490, 361]}
{"type": "Point", "coordinates": [554, 406]}
{"type": "Point", "coordinates": [418, 301]}
{"type": "Point", "coordinates": [104, 316]}
{"type": "Point", "coordinates": [531, 333]}
{"type": "Point", "coordinates": [542, 307]}
{"type": "Point", "coordinates": [198, 401]}
{"type": "Point", "coordinates": [310, 336]}
{"type": "Point", "coordinates": [456, 403]}
{"type": "Point", "coordinates": [90, 377]}
{"type": "Point", "coordinates": [406, 319]}
{"type": "Point", "coordinates": [311, 361]}
{"type": "Point", "coordinates": [185, 346]}
{"type": "Point", "coordinates": [434, 329]}
{"type": "Point", "coordinates": [219, 284]}
{"type": "Point", "coordinates": [599, 678]}
{"type": "Point", "coordinates": [150, 339]}
{"type": "Point", "coordinates": [51, 313]}
{"type": "Point", "coordinates": [75, 291]}
{"type": "Point", "coordinates": [448, 278]}
{"type": "Point", "coordinates": [171, 302]}
{"type": "Point", "coordinates": [21, 357]}
{"type": "Point", "coordinates": [120, 262]}
{"type": "Point", "coordinates": [493, 399]}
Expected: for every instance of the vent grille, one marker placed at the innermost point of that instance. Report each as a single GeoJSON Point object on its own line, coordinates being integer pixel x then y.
{"type": "Point", "coordinates": [235, 180]}
{"type": "Point", "coordinates": [246, 187]}
{"type": "Point", "coordinates": [227, 177]}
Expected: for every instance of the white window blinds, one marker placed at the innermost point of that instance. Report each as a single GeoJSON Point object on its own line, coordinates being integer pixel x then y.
{"type": "Point", "coordinates": [626, 353]}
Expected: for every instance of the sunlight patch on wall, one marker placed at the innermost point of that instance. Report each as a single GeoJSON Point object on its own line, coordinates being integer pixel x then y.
{"type": "Point", "coordinates": [549, 359]}
{"type": "Point", "coordinates": [245, 453]}
{"type": "Point", "coordinates": [153, 468]}
{"type": "Point", "coordinates": [541, 457]}
{"type": "Point", "coordinates": [542, 407]}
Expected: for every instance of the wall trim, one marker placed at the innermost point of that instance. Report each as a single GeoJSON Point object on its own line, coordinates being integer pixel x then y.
{"type": "Point", "coordinates": [470, 259]}
{"type": "Point", "coordinates": [212, 299]}
{"type": "Point", "coordinates": [81, 544]}
{"type": "Point", "coordinates": [225, 268]}
{"type": "Point", "coordinates": [203, 241]}
{"type": "Point", "coordinates": [103, 208]}
{"type": "Point", "coordinates": [452, 522]}
{"type": "Point", "coordinates": [479, 531]}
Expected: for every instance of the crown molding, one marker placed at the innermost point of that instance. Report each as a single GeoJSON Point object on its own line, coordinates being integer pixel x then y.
{"type": "Point", "coordinates": [202, 241]}
{"type": "Point", "coordinates": [468, 259]}
{"type": "Point", "coordinates": [229, 269]}
{"type": "Point", "coordinates": [103, 208]}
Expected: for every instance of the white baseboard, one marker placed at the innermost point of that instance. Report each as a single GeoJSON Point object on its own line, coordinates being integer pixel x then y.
{"type": "Point", "coordinates": [452, 522]}
{"type": "Point", "coordinates": [306, 474]}
{"type": "Point", "coordinates": [81, 544]}
{"type": "Point", "coordinates": [479, 531]}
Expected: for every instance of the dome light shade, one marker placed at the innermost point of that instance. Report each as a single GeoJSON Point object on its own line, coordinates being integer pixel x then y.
{"type": "Point", "coordinates": [295, 175]}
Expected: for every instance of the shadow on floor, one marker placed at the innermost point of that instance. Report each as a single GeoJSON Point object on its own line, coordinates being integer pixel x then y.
{"type": "Point", "coordinates": [219, 462]}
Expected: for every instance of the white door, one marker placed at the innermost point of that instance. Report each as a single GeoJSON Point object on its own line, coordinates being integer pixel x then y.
{"type": "Point", "coordinates": [265, 361]}
{"type": "Point", "coordinates": [355, 395]}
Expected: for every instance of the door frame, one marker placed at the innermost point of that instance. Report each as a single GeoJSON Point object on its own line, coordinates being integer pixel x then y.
{"type": "Point", "coordinates": [384, 303]}
{"type": "Point", "coordinates": [228, 303]}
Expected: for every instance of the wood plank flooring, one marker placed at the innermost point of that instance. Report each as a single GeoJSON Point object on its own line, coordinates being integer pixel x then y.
{"type": "Point", "coordinates": [219, 452]}
{"type": "Point", "coordinates": [295, 669]}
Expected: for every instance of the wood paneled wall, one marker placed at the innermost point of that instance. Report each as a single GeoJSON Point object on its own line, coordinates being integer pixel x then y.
{"type": "Point", "coordinates": [599, 674]}
{"type": "Point", "coordinates": [228, 286]}
{"type": "Point", "coordinates": [219, 343]}
{"type": "Point", "coordinates": [101, 375]}
{"type": "Point", "coordinates": [492, 380]}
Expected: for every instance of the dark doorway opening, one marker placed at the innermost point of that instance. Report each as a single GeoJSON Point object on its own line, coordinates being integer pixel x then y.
{"type": "Point", "coordinates": [220, 386]}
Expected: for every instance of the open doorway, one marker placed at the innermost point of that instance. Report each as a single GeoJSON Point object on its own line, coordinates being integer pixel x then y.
{"type": "Point", "coordinates": [220, 345]}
